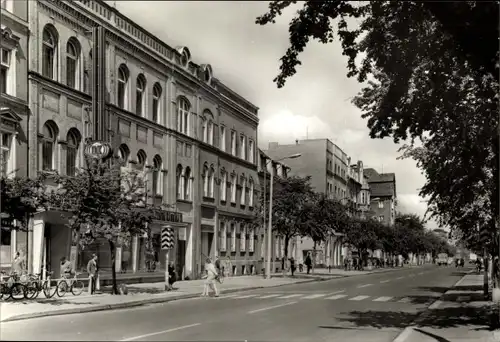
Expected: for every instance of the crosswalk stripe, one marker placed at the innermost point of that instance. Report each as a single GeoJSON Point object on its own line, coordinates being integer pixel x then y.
{"type": "Point", "coordinates": [247, 296]}
{"type": "Point", "coordinates": [359, 297]}
{"type": "Point", "coordinates": [270, 296]}
{"type": "Point", "coordinates": [291, 296]}
{"type": "Point", "coordinates": [314, 296]}
{"type": "Point", "coordinates": [385, 281]}
{"type": "Point", "coordinates": [382, 299]}
{"type": "Point", "coordinates": [365, 285]}
{"type": "Point", "coordinates": [337, 297]}
{"type": "Point", "coordinates": [229, 295]}
{"type": "Point", "coordinates": [404, 300]}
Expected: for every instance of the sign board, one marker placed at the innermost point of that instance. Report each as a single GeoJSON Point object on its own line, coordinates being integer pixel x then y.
{"type": "Point", "coordinates": [168, 216]}
{"type": "Point", "coordinates": [167, 238]}
{"type": "Point", "coordinates": [7, 223]}
{"type": "Point", "coordinates": [98, 149]}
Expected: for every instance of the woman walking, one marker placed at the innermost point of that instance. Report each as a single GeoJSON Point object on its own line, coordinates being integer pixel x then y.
{"type": "Point", "coordinates": [211, 276]}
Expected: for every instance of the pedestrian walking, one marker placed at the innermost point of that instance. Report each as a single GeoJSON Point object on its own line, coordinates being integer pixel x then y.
{"type": "Point", "coordinates": [66, 268]}
{"type": "Point", "coordinates": [17, 265]}
{"type": "Point", "coordinates": [308, 263]}
{"type": "Point", "coordinates": [292, 265]}
{"type": "Point", "coordinates": [172, 276]}
{"type": "Point", "coordinates": [217, 265]}
{"type": "Point", "coordinates": [92, 271]}
{"type": "Point", "coordinates": [211, 276]}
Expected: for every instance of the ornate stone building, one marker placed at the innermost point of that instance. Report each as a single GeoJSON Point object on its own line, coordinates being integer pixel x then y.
{"type": "Point", "coordinates": [94, 73]}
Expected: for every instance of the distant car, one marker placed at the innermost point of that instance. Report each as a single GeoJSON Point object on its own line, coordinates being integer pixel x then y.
{"type": "Point", "coordinates": [442, 259]}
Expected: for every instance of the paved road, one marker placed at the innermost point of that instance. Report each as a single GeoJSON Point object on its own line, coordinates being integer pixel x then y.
{"type": "Point", "coordinates": [372, 307]}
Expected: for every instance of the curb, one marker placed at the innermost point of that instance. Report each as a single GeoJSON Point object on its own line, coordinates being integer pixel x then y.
{"type": "Point", "coordinates": [136, 303]}
{"type": "Point", "coordinates": [403, 335]}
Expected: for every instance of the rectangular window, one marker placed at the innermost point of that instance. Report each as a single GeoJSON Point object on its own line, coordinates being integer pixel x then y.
{"type": "Point", "coordinates": [48, 61]}
{"type": "Point", "coordinates": [138, 102]}
{"type": "Point", "coordinates": [223, 138]}
{"type": "Point", "coordinates": [243, 146]}
{"type": "Point", "coordinates": [48, 156]}
{"type": "Point", "coordinates": [251, 241]}
{"type": "Point", "coordinates": [243, 238]}
{"type": "Point", "coordinates": [380, 204]}
{"type": "Point", "coordinates": [4, 70]}
{"type": "Point", "coordinates": [233, 238]}
{"type": "Point", "coordinates": [223, 236]}
{"type": "Point", "coordinates": [223, 187]}
{"type": "Point", "coordinates": [251, 195]}
{"type": "Point", "coordinates": [233, 189]}
{"type": "Point", "coordinates": [71, 72]}
{"type": "Point", "coordinates": [155, 109]}
{"type": "Point", "coordinates": [233, 143]}
{"type": "Point", "coordinates": [243, 192]}
{"type": "Point", "coordinates": [251, 151]}
{"type": "Point", "coordinates": [71, 161]}
{"type": "Point", "coordinates": [121, 95]}
{"type": "Point", "coordinates": [5, 154]}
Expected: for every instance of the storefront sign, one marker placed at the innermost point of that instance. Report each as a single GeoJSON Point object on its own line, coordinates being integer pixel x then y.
{"type": "Point", "coordinates": [168, 216]}
{"type": "Point", "coordinates": [98, 150]}
{"type": "Point", "coordinates": [7, 223]}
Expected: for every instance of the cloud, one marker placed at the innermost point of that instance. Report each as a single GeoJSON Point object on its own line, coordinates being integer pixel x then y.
{"type": "Point", "coordinates": [245, 56]}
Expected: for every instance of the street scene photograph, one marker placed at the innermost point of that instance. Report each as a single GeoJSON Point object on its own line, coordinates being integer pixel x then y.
{"type": "Point", "coordinates": [249, 171]}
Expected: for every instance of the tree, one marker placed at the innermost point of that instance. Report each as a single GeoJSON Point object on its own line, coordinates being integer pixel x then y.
{"type": "Point", "coordinates": [106, 203]}
{"type": "Point", "coordinates": [22, 197]}
{"type": "Point", "coordinates": [361, 234]}
{"type": "Point", "coordinates": [425, 78]}
{"type": "Point", "coordinates": [290, 207]}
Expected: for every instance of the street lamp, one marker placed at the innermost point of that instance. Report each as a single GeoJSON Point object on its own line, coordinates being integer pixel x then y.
{"type": "Point", "coordinates": [270, 221]}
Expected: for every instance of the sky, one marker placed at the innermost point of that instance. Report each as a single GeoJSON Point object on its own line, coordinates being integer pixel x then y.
{"type": "Point", "coordinates": [315, 103]}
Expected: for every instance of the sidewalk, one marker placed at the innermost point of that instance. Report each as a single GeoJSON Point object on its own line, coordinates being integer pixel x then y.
{"type": "Point", "coordinates": [139, 294]}
{"type": "Point", "coordinates": [460, 315]}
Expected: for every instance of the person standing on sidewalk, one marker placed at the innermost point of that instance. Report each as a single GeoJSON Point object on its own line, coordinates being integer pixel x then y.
{"type": "Point", "coordinates": [292, 265]}
{"type": "Point", "coordinates": [211, 276]}
{"type": "Point", "coordinates": [92, 271]}
{"type": "Point", "coordinates": [217, 264]}
{"type": "Point", "coordinates": [308, 263]}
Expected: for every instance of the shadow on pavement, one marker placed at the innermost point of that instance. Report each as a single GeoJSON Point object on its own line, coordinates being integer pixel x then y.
{"type": "Point", "coordinates": [53, 302]}
{"type": "Point", "coordinates": [482, 318]}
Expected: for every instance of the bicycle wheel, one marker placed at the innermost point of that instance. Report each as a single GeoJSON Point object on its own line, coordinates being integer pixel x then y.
{"type": "Point", "coordinates": [48, 290]}
{"type": "Point", "coordinates": [62, 288]}
{"type": "Point", "coordinates": [77, 287]}
{"type": "Point", "coordinates": [17, 291]}
{"type": "Point", "coordinates": [31, 291]}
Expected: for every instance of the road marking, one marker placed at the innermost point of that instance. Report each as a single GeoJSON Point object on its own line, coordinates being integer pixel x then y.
{"type": "Point", "coordinates": [404, 335]}
{"type": "Point", "coordinates": [336, 297]}
{"type": "Point", "coordinates": [229, 296]}
{"type": "Point", "coordinates": [404, 300]}
{"type": "Point", "coordinates": [271, 307]}
{"type": "Point", "coordinates": [336, 292]}
{"type": "Point", "coordinates": [291, 296]}
{"type": "Point", "coordinates": [315, 296]}
{"type": "Point", "coordinates": [359, 298]}
{"type": "Point", "coordinates": [246, 296]}
{"type": "Point", "coordinates": [161, 332]}
{"type": "Point", "coordinates": [365, 285]}
{"type": "Point", "coordinates": [400, 278]}
{"type": "Point", "coordinates": [435, 305]}
{"type": "Point", "coordinates": [382, 299]}
{"type": "Point", "coordinates": [463, 298]}
{"type": "Point", "coordinates": [270, 296]}
{"type": "Point", "coordinates": [385, 281]}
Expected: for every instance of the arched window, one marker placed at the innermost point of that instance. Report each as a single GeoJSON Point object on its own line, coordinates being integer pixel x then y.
{"type": "Point", "coordinates": [223, 187]}
{"type": "Point", "coordinates": [211, 182]}
{"type": "Point", "coordinates": [72, 63]}
{"type": "Point", "coordinates": [251, 194]}
{"type": "Point", "coordinates": [210, 132]}
{"type": "Point", "coordinates": [183, 108]}
{"type": "Point", "coordinates": [179, 182]}
{"type": "Point", "coordinates": [49, 132]}
{"type": "Point", "coordinates": [156, 102]}
{"type": "Point", "coordinates": [157, 176]}
{"type": "Point", "coordinates": [141, 159]}
{"type": "Point", "coordinates": [73, 142]}
{"type": "Point", "coordinates": [233, 188]}
{"type": "Point", "coordinates": [49, 52]}
{"type": "Point", "coordinates": [140, 94]}
{"type": "Point", "coordinates": [243, 237]}
{"type": "Point", "coordinates": [188, 184]}
{"type": "Point", "coordinates": [122, 98]}
{"type": "Point", "coordinates": [205, 181]}
{"type": "Point", "coordinates": [243, 191]}
{"type": "Point", "coordinates": [123, 154]}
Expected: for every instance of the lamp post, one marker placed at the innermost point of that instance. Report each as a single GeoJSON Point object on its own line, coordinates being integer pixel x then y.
{"type": "Point", "coordinates": [270, 221]}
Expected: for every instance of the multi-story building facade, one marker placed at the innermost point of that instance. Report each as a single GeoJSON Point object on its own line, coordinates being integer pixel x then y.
{"type": "Point", "coordinates": [383, 200]}
{"type": "Point", "coordinates": [94, 73]}
{"type": "Point", "coordinates": [14, 111]}
{"type": "Point", "coordinates": [328, 166]}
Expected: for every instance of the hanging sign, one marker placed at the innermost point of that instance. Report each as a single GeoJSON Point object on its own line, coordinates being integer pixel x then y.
{"type": "Point", "coordinates": [98, 149]}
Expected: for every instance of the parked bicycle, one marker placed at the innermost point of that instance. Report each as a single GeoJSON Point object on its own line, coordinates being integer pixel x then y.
{"type": "Point", "coordinates": [11, 287]}
{"type": "Point", "coordinates": [36, 285]}
{"type": "Point", "coordinates": [73, 285]}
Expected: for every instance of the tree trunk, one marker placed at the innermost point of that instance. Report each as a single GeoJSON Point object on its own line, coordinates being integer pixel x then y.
{"type": "Point", "coordinates": [112, 249]}
{"type": "Point", "coordinates": [287, 241]}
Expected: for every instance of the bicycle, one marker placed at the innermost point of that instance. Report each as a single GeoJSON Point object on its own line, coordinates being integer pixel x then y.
{"type": "Point", "coordinates": [75, 287]}
{"type": "Point", "coordinates": [14, 290]}
{"type": "Point", "coordinates": [37, 285]}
